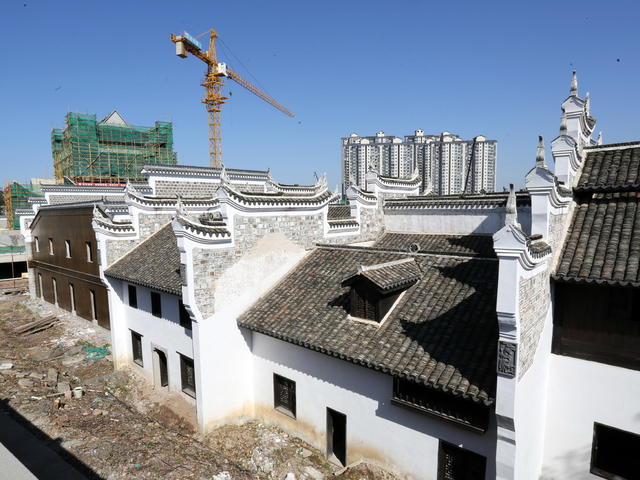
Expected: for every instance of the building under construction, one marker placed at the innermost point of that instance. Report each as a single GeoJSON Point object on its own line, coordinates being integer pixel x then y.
{"type": "Point", "coordinates": [16, 197]}
{"type": "Point", "coordinates": [109, 150]}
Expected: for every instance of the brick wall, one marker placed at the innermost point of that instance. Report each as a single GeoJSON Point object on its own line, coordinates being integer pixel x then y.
{"type": "Point", "coordinates": [533, 307]}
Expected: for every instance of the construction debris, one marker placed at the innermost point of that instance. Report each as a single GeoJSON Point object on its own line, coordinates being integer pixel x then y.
{"type": "Point", "coordinates": [121, 428]}
{"type": "Point", "coordinates": [36, 326]}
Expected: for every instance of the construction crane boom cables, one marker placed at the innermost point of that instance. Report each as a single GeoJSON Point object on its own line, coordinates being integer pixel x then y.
{"type": "Point", "coordinates": [213, 82]}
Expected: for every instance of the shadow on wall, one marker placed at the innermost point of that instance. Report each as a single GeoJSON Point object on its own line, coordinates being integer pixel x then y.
{"type": "Point", "coordinates": [573, 465]}
{"type": "Point", "coordinates": [42, 455]}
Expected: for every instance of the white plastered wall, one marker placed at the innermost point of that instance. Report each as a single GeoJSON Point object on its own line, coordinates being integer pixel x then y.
{"type": "Point", "coordinates": [580, 393]}
{"type": "Point", "coordinates": [394, 437]}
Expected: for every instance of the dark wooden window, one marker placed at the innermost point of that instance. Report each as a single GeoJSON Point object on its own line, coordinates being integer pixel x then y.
{"type": "Point", "coordinates": [156, 304]}
{"type": "Point", "coordinates": [456, 463]}
{"type": "Point", "coordinates": [136, 347]}
{"type": "Point", "coordinates": [89, 251]}
{"type": "Point", "coordinates": [188, 374]}
{"type": "Point", "coordinates": [614, 453]}
{"type": "Point", "coordinates": [370, 304]}
{"type": "Point", "coordinates": [185, 318]}
{"type": "Point", "coordinates": [284, 395]}
{"type": "Point", "coordinates": [598, 323]}
{"type": "Point", "coordinates": [473, 415]}
{"type": "Point", "coordinates": [133, 296]}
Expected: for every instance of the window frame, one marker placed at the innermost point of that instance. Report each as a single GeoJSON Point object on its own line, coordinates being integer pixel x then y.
{"type": "Point", "coordinates": [136, 340]}
{"type": "Point", "coordinates": [37, 244]}
{"type": "Point", "coordinates": [598, 470]}
{"type": "Point", "coordinates": [156, 307]}
{"type": "Point", "coordinates": [51, 249]}
{"type": "Point", "coordinates": [280, 381]}
{"type": "Point", "coordinates": [93, 304]}
{"type": "Point", "coordinates": [88, 248]}
{"type": "Point", "coordinates": [67, 248]}
{"type": "Point", "coordinates": [446, 448]}
{"type": "Point", "coordinates": [132, 289]}
{"type": "Point", "coordinates": [186, 387]}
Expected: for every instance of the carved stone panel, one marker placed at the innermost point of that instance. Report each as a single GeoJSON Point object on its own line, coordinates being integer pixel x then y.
{"type": "Point", "coordinates": [507, 352]}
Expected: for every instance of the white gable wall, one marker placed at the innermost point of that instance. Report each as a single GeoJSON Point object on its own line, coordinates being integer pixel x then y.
{"type": "Point", "coordinates": [394, 437]}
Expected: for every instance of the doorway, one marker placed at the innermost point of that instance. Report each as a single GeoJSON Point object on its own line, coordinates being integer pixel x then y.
{"type": "Point", "coordinates": [337, 436]}
{"type": "Point", "coordinates": [160, 367]}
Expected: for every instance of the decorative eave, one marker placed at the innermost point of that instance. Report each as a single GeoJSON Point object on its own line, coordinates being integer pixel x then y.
{"type": "Point", "coordinates": [299, 190]}
{"type": "Point", "coordinates": [205, 172]}
{"type": "Point", "coordinates": [249, 202]}
{"type": "Point", "coordinates": [186, 227]}
{"type": "Point", "coordinates": [167, 203]}
{"type": "Point", "coordinates": [511, 242]}
{"type": "Point", "coordinates": [456, 202]}
{"type": "Point", "coordinates": [103, 222]}
{"type": "Point", "coordinates": [343, 223]}
{"type": "Point", "coordinates": [84, 189]}
{"type": "Point", "coordinates": [392, 182]}
{"type": "Point", "coordinates": [541, 181]}
{"type": "Point", "coordinates": [356, 194]}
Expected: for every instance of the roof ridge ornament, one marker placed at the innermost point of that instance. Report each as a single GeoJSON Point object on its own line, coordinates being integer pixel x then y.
{"type": "Point", "coordinates": [587, 103]}
{"type": "Point", "coordinates": [540, 153]}
{"type": "Point", "coordinates": [573, 92]}
{"type": "Point", "coordinates": [563, 123]}
{"type": "Point", "coordinates": [599, 140]}
{"type": "Point", "coordinates": [511, 211]}
{"type": "Point", "coordinates": [224, 178]}
{"type": "Point", "coordinates": [180, 209]}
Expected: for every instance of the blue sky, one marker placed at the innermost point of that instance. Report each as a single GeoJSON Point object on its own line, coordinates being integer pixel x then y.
{"type": "Point", "coordinates": [500, 69]}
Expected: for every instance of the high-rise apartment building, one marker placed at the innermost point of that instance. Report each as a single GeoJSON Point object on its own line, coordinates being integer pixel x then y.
{"type": "Point", "coordinates": [444, 162]}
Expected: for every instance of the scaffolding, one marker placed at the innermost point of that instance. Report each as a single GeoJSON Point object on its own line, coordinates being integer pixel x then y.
{"type": "Point", "coordinates": [88, 151]}
{"type": "Point", "coordinates": [16, 197]}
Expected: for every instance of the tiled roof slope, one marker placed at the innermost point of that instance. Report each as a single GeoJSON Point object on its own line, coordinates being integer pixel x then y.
{"type": "Point", "coordinates": [464, 245]}
{"type": "Point", "coordinates": [339, 212]}
{"type": "Point", "coordinates": [442, 333]}
{"type": "Point", "coordinates": [388, 276]}
{"type": "Point", "coordinates": [603, 241]}
{"type": "Point", "coordinates": [155, 263]}
{"type": "Point", "coordinates": [611, 169]}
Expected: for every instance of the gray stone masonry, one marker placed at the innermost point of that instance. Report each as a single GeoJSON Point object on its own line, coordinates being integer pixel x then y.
{"type": "Point", "coordinates": [556, 224]}
{"type": "Point", "coordinates": [533, 307]}
{"type": "Point", "coordinates": [193, 189]}
{"type": "Point", "coordinates": [303, 230]}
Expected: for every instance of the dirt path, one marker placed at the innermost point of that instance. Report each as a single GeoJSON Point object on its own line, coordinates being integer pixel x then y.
{"type": "Point", "coordinates": [119, 428]}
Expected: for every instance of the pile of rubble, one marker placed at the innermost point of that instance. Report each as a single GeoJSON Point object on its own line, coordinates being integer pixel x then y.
{"type": "Point", "coordinates": [61, 380]}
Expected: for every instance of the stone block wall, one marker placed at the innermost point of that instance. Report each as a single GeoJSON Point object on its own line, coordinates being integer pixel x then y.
{"type": "Point", "coordinates": [556, 225]}
{"type": "Point", "coordinates": [533, 306]}
{"type": "Point", "coordinates": [193, 189]}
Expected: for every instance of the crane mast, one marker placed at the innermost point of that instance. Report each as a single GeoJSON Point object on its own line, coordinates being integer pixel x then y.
{"type": "Point", "coordinates": [213, 83]}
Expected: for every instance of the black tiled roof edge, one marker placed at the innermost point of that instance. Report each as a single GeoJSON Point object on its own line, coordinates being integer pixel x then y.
{"type": "Point", "coordinates": [474, 245]}
{"type": "Point", "coordinates": [210, 171]}
{"type": "Point", "coordinates": [489, 199]}
{"type": "Point", "coordinates": [612, 145]}
{"type": "Point", "coordinates": [365, 363]}
{"type": "Point", "coordinates": [595, 188]}
{"type": "Point", "coordinates": [594, 281]}
{"type": "Point", "coordinates": [284, 199]}
{"type": "Point", "coordinates": [330, 246]}
{"type": "Point", "coordinates": [212, 230]}
{"type": "Point", "coordinates": [414, 180]}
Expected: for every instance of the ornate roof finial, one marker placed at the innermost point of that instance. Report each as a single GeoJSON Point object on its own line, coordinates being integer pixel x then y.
{"type": "Point", "coordinates": [587, 103]}
{"type": "Point", "coordinates": [224, 179]}
{"type": "Point", "coordinates": [180, 210]}
{"type": "Point", "coordinates": [563, 123]}
{"type": "Point", "coordinates": [540, 153]}
{"type": "Point", "coordinates": [574, 85]}
{"type": "Point", "coordinates": [599, 140]}
{"type": "Point", "coordinates": [511, 212]}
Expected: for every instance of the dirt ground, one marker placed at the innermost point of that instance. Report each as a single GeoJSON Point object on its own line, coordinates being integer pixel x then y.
{"type": "Point", "coordinates": [120, 428]}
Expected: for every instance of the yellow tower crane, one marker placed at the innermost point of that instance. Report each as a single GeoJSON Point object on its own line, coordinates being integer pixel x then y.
{"type": "Point", "coordinates": [213, 82]}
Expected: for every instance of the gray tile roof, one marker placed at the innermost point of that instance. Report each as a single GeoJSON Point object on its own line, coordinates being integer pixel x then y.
{"type": "Point", "coordinates": [491, 199]}
{"type": "Point", "coordinates": [611, 170]}
{"type": "Point", "coordinates": [155, 263]}
{"type": "Point", "coordinates": [339, 212]}
{"type": "Point", "coordinates": [443, 332]}
{"type": "Point", "coordinates": [603, 240]}
{"type": "Point", "coordinates": [464, 245]}
{"type": "Point", "coordinates": [389, 275]}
